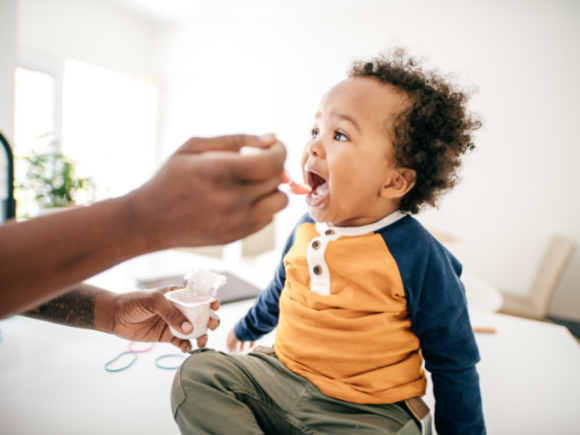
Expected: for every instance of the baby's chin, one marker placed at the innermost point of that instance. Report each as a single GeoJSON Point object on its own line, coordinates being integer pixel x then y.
{"type": "Point", "coordinates": [336, 218]}
{"type": "Point", "coordinates": [318, 214]}
{"type": "Point", "coordinates": [325, 214]}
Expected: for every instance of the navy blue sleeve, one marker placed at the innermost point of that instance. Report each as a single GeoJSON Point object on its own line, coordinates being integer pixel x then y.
{"type": "Point", "coordinates": [263, 317]}
{"type": "Point", "coordinates": [439, 317]}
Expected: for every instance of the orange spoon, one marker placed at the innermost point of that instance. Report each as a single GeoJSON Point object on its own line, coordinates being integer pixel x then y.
{"type": "Point", "coordinates": [297, 189]}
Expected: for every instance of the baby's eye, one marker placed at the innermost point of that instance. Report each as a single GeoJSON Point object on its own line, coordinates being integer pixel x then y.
{"type": "Point", "coordinates": [314, 133]}
{"type": "Point", "coordinates": [340, 136]}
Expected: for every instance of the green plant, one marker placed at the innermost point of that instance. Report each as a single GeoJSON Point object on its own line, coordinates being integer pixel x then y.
{"type": "Point", "coordinates": [52, 177]}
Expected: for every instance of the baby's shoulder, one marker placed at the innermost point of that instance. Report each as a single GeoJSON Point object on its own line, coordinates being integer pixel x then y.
{"type": "Point", "coordinates": [415, 250]}
{"type": "Point", "coordinates": [407, 238]}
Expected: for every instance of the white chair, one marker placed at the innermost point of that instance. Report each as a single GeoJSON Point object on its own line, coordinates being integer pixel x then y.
{"type": "Point", "coordinates": [535, 305]}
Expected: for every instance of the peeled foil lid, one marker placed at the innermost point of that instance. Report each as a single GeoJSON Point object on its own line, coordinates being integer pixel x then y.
{"type": "Point", "coordinates": [203, 281]}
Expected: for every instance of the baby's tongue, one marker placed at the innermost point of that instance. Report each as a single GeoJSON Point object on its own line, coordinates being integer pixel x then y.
{"type": "Point", "coordinates": [318, 195]}
{"type": "Point", "coordinates": [322, 190]}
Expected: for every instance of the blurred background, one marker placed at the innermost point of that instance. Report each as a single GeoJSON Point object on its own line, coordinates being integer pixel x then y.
{"type": "Point", "coordinates": [117, 85]}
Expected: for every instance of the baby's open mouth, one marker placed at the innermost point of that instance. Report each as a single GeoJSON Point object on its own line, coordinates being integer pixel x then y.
{"type": "Point", "coordinates": [319, 189]}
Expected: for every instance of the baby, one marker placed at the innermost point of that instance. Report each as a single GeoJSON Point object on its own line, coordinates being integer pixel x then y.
{"type": "Point", "coordinates": [364, 293]}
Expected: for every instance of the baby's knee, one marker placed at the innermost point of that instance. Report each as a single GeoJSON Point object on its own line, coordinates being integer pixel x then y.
{"type": "Point", "coordinates": [200, 365]}
{"type": "Point", "coordinates": [195, 371]}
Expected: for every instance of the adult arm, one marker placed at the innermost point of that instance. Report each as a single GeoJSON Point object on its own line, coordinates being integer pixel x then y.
{"type": "Point", "coordinates": [206, 194]}
{"type": "Point", "coordinates": [137, 316]}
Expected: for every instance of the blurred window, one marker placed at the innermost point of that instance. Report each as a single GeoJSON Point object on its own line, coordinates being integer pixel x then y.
{"type": "Point", "coordinates": [34, 111]}
{"type": "Point", "coordinates": [109, 127]}
{"type": "Point", "coordinates": [34, 126]}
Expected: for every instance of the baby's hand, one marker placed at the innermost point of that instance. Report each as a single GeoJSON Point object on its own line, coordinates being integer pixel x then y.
{"type": "Point", "coordinates": [234, 344]}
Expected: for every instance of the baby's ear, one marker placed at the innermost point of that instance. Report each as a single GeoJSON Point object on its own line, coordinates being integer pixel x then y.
{"type": "Point", "coordinates": [400, 181]}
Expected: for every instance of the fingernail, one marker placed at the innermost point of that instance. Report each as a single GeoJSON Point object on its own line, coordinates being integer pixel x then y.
{"type": "Point", "coordinates": [186, 327]}
{"type": "Point", "coordinates": [189, 347]}
{"type": "Point", "coordinates": [267, 137]}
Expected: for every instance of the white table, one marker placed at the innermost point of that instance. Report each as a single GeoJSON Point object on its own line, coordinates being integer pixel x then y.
{"type": "Point", "coordinates": [52, 379]}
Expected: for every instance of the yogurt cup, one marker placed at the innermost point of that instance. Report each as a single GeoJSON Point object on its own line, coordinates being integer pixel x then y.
{"type": "Point", "coordinates": [195, 307]}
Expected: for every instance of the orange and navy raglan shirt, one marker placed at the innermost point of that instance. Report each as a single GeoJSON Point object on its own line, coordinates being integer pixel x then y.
{"type": "Point", "coordinates": [358, 308]}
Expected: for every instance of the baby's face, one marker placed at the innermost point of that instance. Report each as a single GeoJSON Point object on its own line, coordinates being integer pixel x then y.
{"type": "Point", "coordinates": [350, 155]}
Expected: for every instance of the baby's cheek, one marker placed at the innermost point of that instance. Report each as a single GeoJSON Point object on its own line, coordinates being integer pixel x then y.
{"type": "Point", "coordinates": [354, 190]}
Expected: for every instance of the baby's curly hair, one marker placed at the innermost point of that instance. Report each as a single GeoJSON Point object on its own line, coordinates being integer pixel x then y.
{"type": "Point", "coordinates": [432, 133]}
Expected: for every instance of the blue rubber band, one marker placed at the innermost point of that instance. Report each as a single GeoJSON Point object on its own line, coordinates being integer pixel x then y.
{"type": "Point", "coordinates": [176, 355]}
{"type": "Point", "coordinates": [122, 368]}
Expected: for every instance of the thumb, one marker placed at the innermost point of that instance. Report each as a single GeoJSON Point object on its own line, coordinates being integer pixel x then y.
{"type": "Point", "coordinates": [172, 315]}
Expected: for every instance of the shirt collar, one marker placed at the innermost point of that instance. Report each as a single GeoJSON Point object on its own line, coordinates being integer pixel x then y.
{"type": "Point", "coordinates": [322, 227]}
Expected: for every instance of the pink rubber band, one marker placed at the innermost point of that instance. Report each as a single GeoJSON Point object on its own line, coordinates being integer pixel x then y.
{"type": "Point", "coordinates": [147, 349]}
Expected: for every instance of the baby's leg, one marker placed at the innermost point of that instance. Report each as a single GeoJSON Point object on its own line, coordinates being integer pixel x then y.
{"type": "Point", "coordinates": [218, 394]}
{"type": "Point", "coordinates": [326, 415]}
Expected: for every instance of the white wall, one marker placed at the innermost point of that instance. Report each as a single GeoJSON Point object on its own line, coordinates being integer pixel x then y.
{"type": "Point", "coordinates": [8, 12]}
{"type": "Point", "coordinates": [92, 31]}
{"type": "Point", "coordinates": [258, 67]}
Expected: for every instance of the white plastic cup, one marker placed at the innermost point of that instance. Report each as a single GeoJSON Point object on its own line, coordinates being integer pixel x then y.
{"type": "Point", "coordinates": [195, 307]}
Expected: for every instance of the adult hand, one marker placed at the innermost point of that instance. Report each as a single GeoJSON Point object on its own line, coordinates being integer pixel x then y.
{"type": "Point", "coordinates": [208, 193]}
{"type": "Point", "coordinates": [146, 316]}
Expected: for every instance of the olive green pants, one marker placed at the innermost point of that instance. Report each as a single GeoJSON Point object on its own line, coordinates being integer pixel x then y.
{"type": "Point", "coordinates": [220, 394]}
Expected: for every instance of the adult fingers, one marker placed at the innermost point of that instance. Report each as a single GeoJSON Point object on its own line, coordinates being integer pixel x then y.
{"type": "Point", "coordinates": [168, 312]}
{"type": "Point", "coordinates": [202, 341]}
{"type": "Point", "coordinates": [183, 345]}
{"type": "Point", "coordinates": [214, 321]}
{"type": "Point", "coordinates": [215, 305]}
{"type": "Point", "coordinates": [268, 205]}
{"type": "Point", "coordinates": [267, 164]}
{"type": "Point", "coordinates": [225, 143]}
{"type": "Point", "coordinates": [259, 189]}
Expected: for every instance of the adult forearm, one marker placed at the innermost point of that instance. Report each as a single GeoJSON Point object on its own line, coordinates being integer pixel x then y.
{"type": "Point", "coordinates": [47, 256]}
{"type": "Point", "coordinates": [77, 308]}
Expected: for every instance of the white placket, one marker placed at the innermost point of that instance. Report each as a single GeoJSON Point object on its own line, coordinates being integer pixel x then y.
{"type": "Point", "coordinates": [317, 266]}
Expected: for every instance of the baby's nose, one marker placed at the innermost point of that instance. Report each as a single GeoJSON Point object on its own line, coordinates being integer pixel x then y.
{"type": "Point", "coordinates": [314, 148]}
